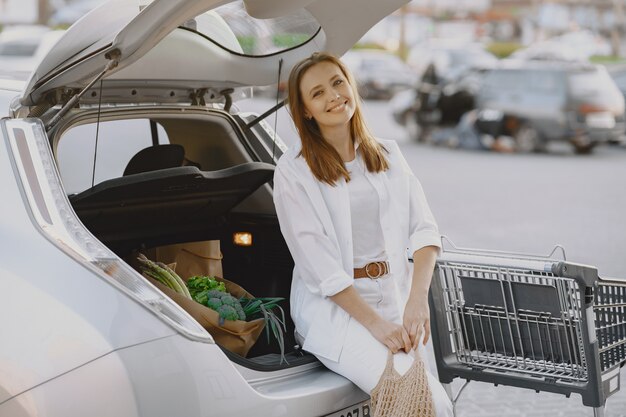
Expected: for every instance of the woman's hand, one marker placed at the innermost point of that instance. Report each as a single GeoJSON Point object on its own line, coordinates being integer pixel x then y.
{"type": "Point", "coordinates": [417, 318]}
{"type": "Point", "coordinates": [390, 334]}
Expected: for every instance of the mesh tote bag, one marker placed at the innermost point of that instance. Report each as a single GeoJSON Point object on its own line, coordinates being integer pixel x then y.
{"type": "Point", "coordinates": [405, 395]}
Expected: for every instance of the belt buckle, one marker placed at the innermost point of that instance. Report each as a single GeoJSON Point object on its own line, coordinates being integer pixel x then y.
{"type": "Point", "coordinates": [383, 269]}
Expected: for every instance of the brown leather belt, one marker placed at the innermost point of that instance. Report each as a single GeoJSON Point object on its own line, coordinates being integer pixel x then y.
{"type": "Point", "coordinates": [372, 270]}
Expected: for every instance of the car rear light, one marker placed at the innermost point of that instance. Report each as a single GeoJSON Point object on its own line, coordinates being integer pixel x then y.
{"type": "Point", "coordinates": [53, 214]}
{"type": "Point", "coordinates": [242, 238]}
{"type": "Point", "coordinates": [587, 108]}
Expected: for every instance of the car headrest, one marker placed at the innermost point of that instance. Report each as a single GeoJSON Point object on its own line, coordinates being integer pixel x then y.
{"type": "Point", "coordinates": [154, 158]}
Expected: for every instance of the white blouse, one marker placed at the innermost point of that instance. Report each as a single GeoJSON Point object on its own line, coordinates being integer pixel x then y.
{"type": "Point", "coordinates": [315, 220]}
{"type": "Point", "coordinates": [367, 235]}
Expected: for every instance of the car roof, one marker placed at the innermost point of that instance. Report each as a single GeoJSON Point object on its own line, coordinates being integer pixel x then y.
{"type": "Point", "coordinates": [541, 65]}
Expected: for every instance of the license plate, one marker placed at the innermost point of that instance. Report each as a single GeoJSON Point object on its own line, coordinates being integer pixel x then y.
{"type": "Point", "coordinates": [600, 120]}
{"type": "Point", "coordinates": [359, 410]}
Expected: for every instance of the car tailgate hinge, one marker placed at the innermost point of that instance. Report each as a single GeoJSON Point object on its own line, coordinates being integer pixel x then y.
{"type": "Point", "coordinates": [197, 97]}
{"type": "Point", "coordinates": [114, 59]}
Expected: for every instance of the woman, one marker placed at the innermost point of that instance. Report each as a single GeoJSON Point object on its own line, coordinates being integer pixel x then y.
{"type": "Point", "coordinates": [349, 207]}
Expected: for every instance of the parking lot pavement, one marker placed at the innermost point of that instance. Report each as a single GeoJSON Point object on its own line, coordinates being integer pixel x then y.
{"type": "Point", "coordinates": [485, 400]}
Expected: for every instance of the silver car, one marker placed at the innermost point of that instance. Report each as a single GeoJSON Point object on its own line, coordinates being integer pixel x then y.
{"type": "Point", "coordinates": [554, 101]}
{"type": "Point", "coordinates": [82, 333]}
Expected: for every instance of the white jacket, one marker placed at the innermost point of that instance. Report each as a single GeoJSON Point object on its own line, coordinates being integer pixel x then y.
{"type": "Point", "coordinates": [315, 221]}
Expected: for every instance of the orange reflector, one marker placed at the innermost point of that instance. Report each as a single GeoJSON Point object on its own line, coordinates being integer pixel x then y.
{"type": "Point", "coordinates": [242, 238]}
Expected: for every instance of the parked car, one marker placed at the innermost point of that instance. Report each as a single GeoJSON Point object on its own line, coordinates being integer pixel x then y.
{"type": "Point", "coordinates": [22, 47]}
{"type": "Point", "coordinates": [71, 11]}
{"type": "Point", "coordinates": [449, 58]}
{"type": "Point", "coordinates": [83, 332]}
{"type": "Point", "coordinates": [555, 101]}
{"type": "Point", "coordinates": [379, 74]}
{"type": "Point", "coordinates": [571, 46]}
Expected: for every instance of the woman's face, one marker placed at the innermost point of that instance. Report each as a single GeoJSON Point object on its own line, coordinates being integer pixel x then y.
{"type": "Point", "coordinates": [327, 96]}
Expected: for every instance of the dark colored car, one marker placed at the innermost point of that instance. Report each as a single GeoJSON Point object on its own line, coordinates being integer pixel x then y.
{"type": "Point", "coordinates": [436, 102]}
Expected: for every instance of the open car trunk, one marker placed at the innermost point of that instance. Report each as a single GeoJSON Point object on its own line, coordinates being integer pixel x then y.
{"type": "Point", "coordinates": [224, 186]}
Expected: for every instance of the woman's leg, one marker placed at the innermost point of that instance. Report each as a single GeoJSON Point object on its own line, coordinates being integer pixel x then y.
{"type": "Point", "coordinates": [363, 359]}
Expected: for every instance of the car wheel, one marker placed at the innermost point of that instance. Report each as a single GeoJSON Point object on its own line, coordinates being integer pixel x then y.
{"type": "Point", "coordinates": [425, 134]}
{"type": "Point", "coordinates": [584, 149]}
{"type": "Point", "coordinates": [528, 139]}
{"type": "Point", "coordinates": [413, 128]}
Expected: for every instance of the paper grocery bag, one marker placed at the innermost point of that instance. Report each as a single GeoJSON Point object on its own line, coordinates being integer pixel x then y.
{"type": "Point", "coordinates": [237, 336]}
{"type": "Point", "coordinates": [193, 258]}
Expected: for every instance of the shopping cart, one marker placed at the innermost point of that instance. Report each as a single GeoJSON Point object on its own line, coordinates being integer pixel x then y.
{"type": "Point", "coordinates": [536, 322]}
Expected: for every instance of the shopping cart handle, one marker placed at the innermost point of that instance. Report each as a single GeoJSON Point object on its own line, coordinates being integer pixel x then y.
{"type": "Point", "coordinates": [498, 253]}
{"type": "Point", "coordinates": [584, 274]}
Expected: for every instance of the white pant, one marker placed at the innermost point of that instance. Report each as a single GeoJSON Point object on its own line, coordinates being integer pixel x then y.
{"type": "Point", "coordinates": [363, 358]}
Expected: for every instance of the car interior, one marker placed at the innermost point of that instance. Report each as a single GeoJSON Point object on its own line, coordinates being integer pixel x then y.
{"type": "Point", "coordinates": [201, 185]}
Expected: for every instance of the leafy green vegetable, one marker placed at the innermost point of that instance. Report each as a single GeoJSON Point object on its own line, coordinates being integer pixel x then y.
{"type": "Point", "coordinates": [201, 283]}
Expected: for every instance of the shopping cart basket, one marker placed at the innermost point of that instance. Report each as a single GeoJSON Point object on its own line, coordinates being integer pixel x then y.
{"type": "Point", "coordinates": [527, 321]}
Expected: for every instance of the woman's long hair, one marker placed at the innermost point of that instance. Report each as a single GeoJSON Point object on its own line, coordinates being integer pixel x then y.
{"type": "Point", "coordinates": [323, 160]}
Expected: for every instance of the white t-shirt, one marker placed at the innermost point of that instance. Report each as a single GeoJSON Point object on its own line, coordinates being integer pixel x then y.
{"type": "Point", "coordinates": [367, 235]}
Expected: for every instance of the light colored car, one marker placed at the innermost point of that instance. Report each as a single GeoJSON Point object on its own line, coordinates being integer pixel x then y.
{"type": "Point", "coordinates": [22, 47]}
{"type": "Point", "coordinates": [71, 11]}
{"type": "Point", "coordinates": [379, 74]}
{"type": "Point", "coordinates": [555, 101]}
{"type": "Point", "coordinates": [571, 46]}
{"type": "Point", "coordinates": [83, 333]}
{"type": "Point", "coordinates": [449, 58]}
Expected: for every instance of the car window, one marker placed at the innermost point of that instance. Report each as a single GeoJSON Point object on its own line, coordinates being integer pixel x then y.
{"type": "Point", "coordinates": [18, 48]}
{"type": "Point", "coordinates": [118, 141]}
{"type": "Point", "coordinates": [505, 81]}
{"type": "Point", "coordinates": [255, 36]}
{"type": "Point", "coordinates": [620, 79]}
{"type": "Point", "coordinates": [544, 82]}
{"type": "Point", "coordinates": [471, 57]}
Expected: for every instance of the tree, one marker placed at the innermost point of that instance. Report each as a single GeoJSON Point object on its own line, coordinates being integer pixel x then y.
{"type": "Point", "coordinates": [43, 12]}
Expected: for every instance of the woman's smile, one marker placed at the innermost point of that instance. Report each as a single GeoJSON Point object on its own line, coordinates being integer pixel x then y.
{"type": "Point", "coordinates": [338, 107]}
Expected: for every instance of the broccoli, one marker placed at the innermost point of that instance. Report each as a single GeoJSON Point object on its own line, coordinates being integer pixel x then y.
{"type": "Point", "coordinates": [241, 313]}
{"type": "Point", "coordinates": [230, 300]}
{"type": "Point", "coordinates": [214, 303]}
{"type": "Point", "coordinates": [216, 294]}
{"type": "Point", "coordinates": [228, 312]}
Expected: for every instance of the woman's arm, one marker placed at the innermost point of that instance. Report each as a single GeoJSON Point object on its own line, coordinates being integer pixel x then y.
{"type": "Point", "coordinates": [313, 251]}
{"type": "Point", "coordinates": [416, 313]}
{"type": "Point", "coordinates": [394, 336]}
